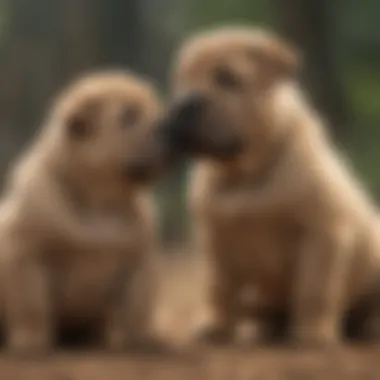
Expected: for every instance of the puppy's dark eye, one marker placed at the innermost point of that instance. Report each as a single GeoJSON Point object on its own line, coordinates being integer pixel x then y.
{"type": "Point", "coordinates": [226, 79]}
{"type": "Point", "coordinates": [130, 117]}
{"type": "Point", "coordinates": [79, 127]}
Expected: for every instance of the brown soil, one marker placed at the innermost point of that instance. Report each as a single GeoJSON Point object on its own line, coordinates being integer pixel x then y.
{"type": "Point", "coordinates": [347, 364]}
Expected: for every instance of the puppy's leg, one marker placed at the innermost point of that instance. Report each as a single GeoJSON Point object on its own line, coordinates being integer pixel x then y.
{"type": "Point", "coordinates": [28, 308]}
{"type": "Point", "coordinates": [128, 325]}
{"type": "Point", "coordinates": [225, 307]}
{"type": "Point", "coordinates": [364, 319]}
{"type": "Point", "coordinates": [273, 324]}
{"type": "Point", "coordinates": [319, 287]}
{"type": "Point", "coordinates": [277, 326]}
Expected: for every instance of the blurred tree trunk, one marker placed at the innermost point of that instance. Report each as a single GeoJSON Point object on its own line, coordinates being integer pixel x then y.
{"type": "Point", "coordinates": [27, 71]}
{"type": "Point", "coordinates": [310, 26]}
{"type": "Point", "coordinates": [122, 33]}
{"type": "Point", "coordinates": [79, 35]}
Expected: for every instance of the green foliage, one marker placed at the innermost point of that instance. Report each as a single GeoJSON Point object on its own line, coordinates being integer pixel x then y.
{"type": "Point", "coordinates": [213, 12]}
{"type": "Point", "coordinates": [363, 79]}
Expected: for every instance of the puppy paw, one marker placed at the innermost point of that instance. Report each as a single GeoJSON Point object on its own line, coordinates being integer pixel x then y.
{"type": "Point", "coordinates": [148, 345]}
{"type": "Point", "coordinates": [315, 338]}
{"type": "Point", "coordinates": [214, 335]}
{"type": "Point", "coordinates": [142, 345]}
{"type": "Point", "coordinates": [29, 343]}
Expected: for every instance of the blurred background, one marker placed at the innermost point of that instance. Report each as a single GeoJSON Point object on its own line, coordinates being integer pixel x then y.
{"type": "Point", "coordinates": [46, 43]}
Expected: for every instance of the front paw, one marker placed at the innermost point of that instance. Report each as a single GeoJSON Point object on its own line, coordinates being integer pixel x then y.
{"type": "Point", "coordinates": [29, 343]}
{"type": "Point", "coordinates": [215, 335]}
{"type": "Point", "coordinates": [119, 342]}
{"type": "Point", "coordinates": [315, 338]}
{"type": "Point", "coordinates": [147, 345]}
{"type": "Point", "coordinates": [370, 331]}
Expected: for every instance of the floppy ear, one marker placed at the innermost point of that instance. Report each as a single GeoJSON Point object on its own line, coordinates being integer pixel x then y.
{"type": "Point", "coordinates": [277, 57]}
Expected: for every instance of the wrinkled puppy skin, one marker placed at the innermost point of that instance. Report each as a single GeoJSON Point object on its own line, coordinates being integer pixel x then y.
{"type": "Point", "coordinates": [76, 220]}
{"type": "Point", "coordinates": [275, 206]}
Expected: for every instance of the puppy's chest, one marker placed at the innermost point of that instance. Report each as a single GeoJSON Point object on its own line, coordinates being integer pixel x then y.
{"type": "Point", "coordinates": [124, 223]}
{"type": "Point", "coordinates": [89, 274]}
{"type": "Point", "coordinates": [111, 210]}
{"type": "Point", "coordinates": [263, 246]}
{"type": "Point", "coordinates": [84, 285]}
{"type": "Point", "coordinates": [103, 205]}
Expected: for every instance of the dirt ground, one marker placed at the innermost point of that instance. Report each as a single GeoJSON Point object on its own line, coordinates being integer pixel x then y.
{"type": "Point", "coordinates": [181, 308]}
{"type": "Point", "coordinates": [347, 364]}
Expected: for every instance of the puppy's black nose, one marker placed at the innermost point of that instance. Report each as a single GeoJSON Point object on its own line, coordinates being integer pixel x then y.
{"type": "Point", "coordinates": [189, 107]}
{"type": "Point", "coordinates": [184, 118]}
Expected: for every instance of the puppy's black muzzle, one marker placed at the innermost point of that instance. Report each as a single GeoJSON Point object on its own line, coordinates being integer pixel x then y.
{"type": "Point", "coordinates": [189, 129]}
{"type": "Point", "coordinates": [183, 122]}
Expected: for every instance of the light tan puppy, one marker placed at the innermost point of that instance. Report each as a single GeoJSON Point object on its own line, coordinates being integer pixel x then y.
{"type": "Point", "coordinates": [76, 222]}
{"type": "Point", "coordinates": [274, 205]}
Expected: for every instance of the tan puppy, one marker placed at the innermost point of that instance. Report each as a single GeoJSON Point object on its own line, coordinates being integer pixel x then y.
{"type": "Point", "coordinates": [76, 223]}
{"type": "Point", "coordinates": [275, 207]}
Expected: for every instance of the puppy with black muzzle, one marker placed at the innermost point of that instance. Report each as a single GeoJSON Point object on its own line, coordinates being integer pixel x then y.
{"type": "Point", "coordinates": [275, 208]}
